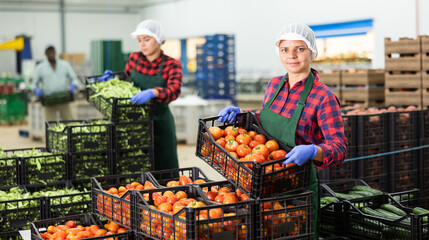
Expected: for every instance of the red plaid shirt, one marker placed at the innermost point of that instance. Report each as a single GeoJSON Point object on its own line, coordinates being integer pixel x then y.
{"type": "Point", "coordinates": [171, 72]}
{"type": "Point", "coordinates": [320, 123]}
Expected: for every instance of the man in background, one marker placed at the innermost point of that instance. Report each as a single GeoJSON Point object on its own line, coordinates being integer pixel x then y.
{"type": "Point", "coordinates": [52, 78]}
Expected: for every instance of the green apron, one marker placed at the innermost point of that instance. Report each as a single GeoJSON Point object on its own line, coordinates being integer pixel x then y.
{"type": "Point", "coordinates": [273, 122]}
{"type": "Point", "coordinates": [164, 130]}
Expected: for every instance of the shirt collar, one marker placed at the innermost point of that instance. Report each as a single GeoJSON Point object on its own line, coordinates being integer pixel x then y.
{"type": "Point", "coordinates": [155, 62]}
{"type": "Point", "coordinates": [302, 81]}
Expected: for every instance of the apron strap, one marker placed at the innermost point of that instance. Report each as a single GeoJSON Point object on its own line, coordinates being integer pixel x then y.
{"type": "Point", "coordinates": [303, 98]}
{"type": "Point", "coordinates": [138, 62]}
{"type": "Point", "coordinates": [161, 66]}
{"type": "Point", "coordinates": [282, 82]}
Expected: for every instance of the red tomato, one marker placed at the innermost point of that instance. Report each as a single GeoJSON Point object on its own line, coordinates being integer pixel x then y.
{"type": "Point", "coordinates": [181, 194]}
{"type": "Point", "coordinates": [241, 130]}
{"type": "Point", "coordinates": [256, 157]}
{"type": "Point", "coordinates": [231, 130]}
{"type": "Point", "coordinates": [272, 145]}
{"type": "Point", "coordinates": [219, 198]}
{"type": "Point", "coordinates": [260, 138]}
{"type": "Point", "coordinates": [165, 207]}
{"type": "Point", "coordinates": [211, 195]}
{"type": "Point", "coordinates": [215, 212]}
{"type": "Point", "coordinates": [242, 150]}
{"type": "Point", "coordinates": [234, 154]}
{"type": "Point", "coordinates": [229, 137]}
{"type": "Point", "coordinates": [231, 146]}
{"type": "Point", "coordinates": [172, 199]}
{"type": "Point", "coordinates": [71, 224]}
{"type": "Point", "coordinates": [216, 132]}
{"type": "Point", "coordinates": [252, 134]}
{"type": "Point", "coordinates": [243, 138]}
{"type": "Point", "coordinates": [230, 198]}
{"type": "Point", "coordinates": [183, 180]}
{"type": "Point", "coordinates": [159, 200]}
{"type": "Point", "coordinates": [199, 181]}
{"type": "Point", "coordinates": [221, 141]}
{"type": "Point", "coordinates": [277, 154]}
{"type": "Point", "coordinates": [261, 149]}
{"type": "Point", "coordinates": [253, 144]}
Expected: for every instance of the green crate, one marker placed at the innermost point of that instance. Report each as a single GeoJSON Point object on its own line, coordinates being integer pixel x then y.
{"type": "Point", "coordinates": [13, 107]}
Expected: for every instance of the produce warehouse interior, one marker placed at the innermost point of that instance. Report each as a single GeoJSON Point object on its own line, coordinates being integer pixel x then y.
{"type": "Point", "coordinates": [88, 150]}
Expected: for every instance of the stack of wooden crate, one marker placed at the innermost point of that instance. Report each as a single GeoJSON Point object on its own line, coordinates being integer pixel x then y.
{"type": "Point", "coordinates": [332, 79]}
{"type": "Point", "coordinates": [403, 66]}
{"type": "Point", "coordinates": [425, 71]}
{"type": "Point", "coordinates": [364, 87]}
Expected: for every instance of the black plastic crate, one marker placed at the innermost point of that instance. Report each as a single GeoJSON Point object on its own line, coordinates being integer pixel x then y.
{"type": "Point", "coordinates": [79, 136]}
{"type": "Point", "coordinates": [358, 225]}
{"type": "Point", "coordinates": [235, 220]}
{"type": "Point", "coordinates": [13, 235]}
{"type": "Point", "coordinates": [342, 171]}
{"type": "Point", "coordinates": [17, 214]}
{"type": "Point", "coordinates": [133, 161]}
{"type": "Point", "coordinates": [9, 168]}
{"type": "Point", "coordinates": [350, 131]}
{"type": "Point", "coordinates": [163, 177]}
{"type": "Point", "coordinates": [409, 198]}
{"type": "Point", "coordinates": [115, 206]}
{"type": "Point", "coordinates": [132, 135]}
{"type": "Point", "coordinates": [381, 182]}
{"type": "Point", "coordinates": [117, 109]}
{"type": "Point", "coordinates": [91, 164]}
{"type": "Point", "coordinates": [259, 180]}
{"type": "Point", "coordinates": [57, 98]}
{"type": "Point", "coordinates": [285, 217]}
{"type": "Point", "coordinates": [222, 186]}
{"type": "Point", "coordinates": [47, 167]}
{"type": "Point", "coordinates": [61, 199]}
{"type": "Point", "coordinates": [343, 186]}
{"type": "Point", "coordinates": [82, 219]}
{"type": "Point", "coordinates": [331, 218]}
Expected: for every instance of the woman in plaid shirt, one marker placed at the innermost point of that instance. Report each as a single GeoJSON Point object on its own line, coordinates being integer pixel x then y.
{"type": "Point", "coordinates": [160, 78]}
{"type": "Point", "coordinates": [301, 111]}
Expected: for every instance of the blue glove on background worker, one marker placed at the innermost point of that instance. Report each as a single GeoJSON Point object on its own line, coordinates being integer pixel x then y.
{"type": "Point", "coordinates": [38, 92]}
{"type": "Point", "coordinates": [72, 88]}
{"type": "Point", "coordinates": [142, 97]}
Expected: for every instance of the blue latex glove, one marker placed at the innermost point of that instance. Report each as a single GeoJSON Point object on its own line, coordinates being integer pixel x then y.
{"type": "Point", "coordinates": [72, 88]}
{"type": "Point", "coordinates": [106, 76]}
{"type": "Point", "coordinates": [301, 154]}
{"type": "Point", "coordinates": [38, 92]}
{"type": "Point", "coordinates": [228, 114]}
{"type": "Point", "coordinates": [142, 97]}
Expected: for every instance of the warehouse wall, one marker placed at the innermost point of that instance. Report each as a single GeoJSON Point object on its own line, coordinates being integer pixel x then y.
{"type": "Point", "coordinates": [81, 29]}
{"type": "Point", "coordinates": [256, 23]}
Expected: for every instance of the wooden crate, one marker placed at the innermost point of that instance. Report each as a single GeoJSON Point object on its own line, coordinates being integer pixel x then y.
{"type": "Point", "coordinates": [364, 77]}
{"type": "Point", "coordinates": [425, 53]}
{"type": "Point", "coordinates": [425, 89]}
{"type": "Point", "coordinates": [365, 96]}
{"type": "Point", "coordinates": [407, 62]}
{"type": "Point", "coordinates": [331, 79]}
{"type": "Point", "coordinates": [400, 79]}
{"type": "Point", "coordinates": [404, 98]}
{"type": "Point", "coordinates": [402, 46]}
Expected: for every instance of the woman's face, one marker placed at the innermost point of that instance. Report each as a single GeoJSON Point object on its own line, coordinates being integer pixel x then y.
{"type": "Point", "coordinates": [148, 45]}
{"type": "Point", "coordinates": [295, 56]}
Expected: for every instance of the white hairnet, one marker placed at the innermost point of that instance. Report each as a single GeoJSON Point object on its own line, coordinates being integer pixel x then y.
{"type": "Point", "coordinates": [151, 28]}
{"type": "Point", "coordinates": [298, 31]}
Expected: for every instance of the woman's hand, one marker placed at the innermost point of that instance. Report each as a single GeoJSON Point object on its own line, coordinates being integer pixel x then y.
{"type": "Point", "coordinates": [228, 114]}
{"type": "Point", "coordinates": [301, 154]}
{"type": "Point", "coordinates": [142, 97]}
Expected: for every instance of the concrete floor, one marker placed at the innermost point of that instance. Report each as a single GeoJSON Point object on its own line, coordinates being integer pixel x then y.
{"type": "Point", "coordinates": [10, 139]}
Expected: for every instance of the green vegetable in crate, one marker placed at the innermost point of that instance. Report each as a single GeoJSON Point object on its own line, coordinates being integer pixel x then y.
{"type": "Point", "coordinates": [8, 171]}
{"type": "Point", "coordinates": [419, 210]}
{"type": "Point", "coordinates": [115, 88]}
{"type": "Point", "coordinates": [367, 189]}
{"type": "Point", "coordinates": [328, 200]}
{"type": "Point", "coordinates": [42, 164]}
{"type": "Point", "coordinates": [394, 209]}
{"type": "Point", "coordinates": [84, 136]}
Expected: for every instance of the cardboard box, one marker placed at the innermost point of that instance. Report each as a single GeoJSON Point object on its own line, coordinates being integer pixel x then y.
{"type": "Point", "coordinates": [75, 59]}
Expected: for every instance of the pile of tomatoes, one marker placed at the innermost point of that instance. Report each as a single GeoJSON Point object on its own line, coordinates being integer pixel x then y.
{"type": "Point", "coordinates": [109, 206]}
{"type": "Point", "coordinates": [247, 145]}
{"type": "Point", "coordinates": [225, 195]}
{"type": "Point", "coordinates": [169, 227]}
{"type": "Point", "coordinates": [72, 231]}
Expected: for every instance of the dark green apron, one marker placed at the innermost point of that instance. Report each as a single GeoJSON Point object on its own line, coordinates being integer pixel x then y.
{"type": "Point", "coordinates": [164, 133]}
{"type": "Point", "coordinates": [273, 122]}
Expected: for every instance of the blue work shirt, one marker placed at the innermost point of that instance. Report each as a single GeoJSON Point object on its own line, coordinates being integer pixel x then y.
{"type": "Point", "coordinates": [54, 81]}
